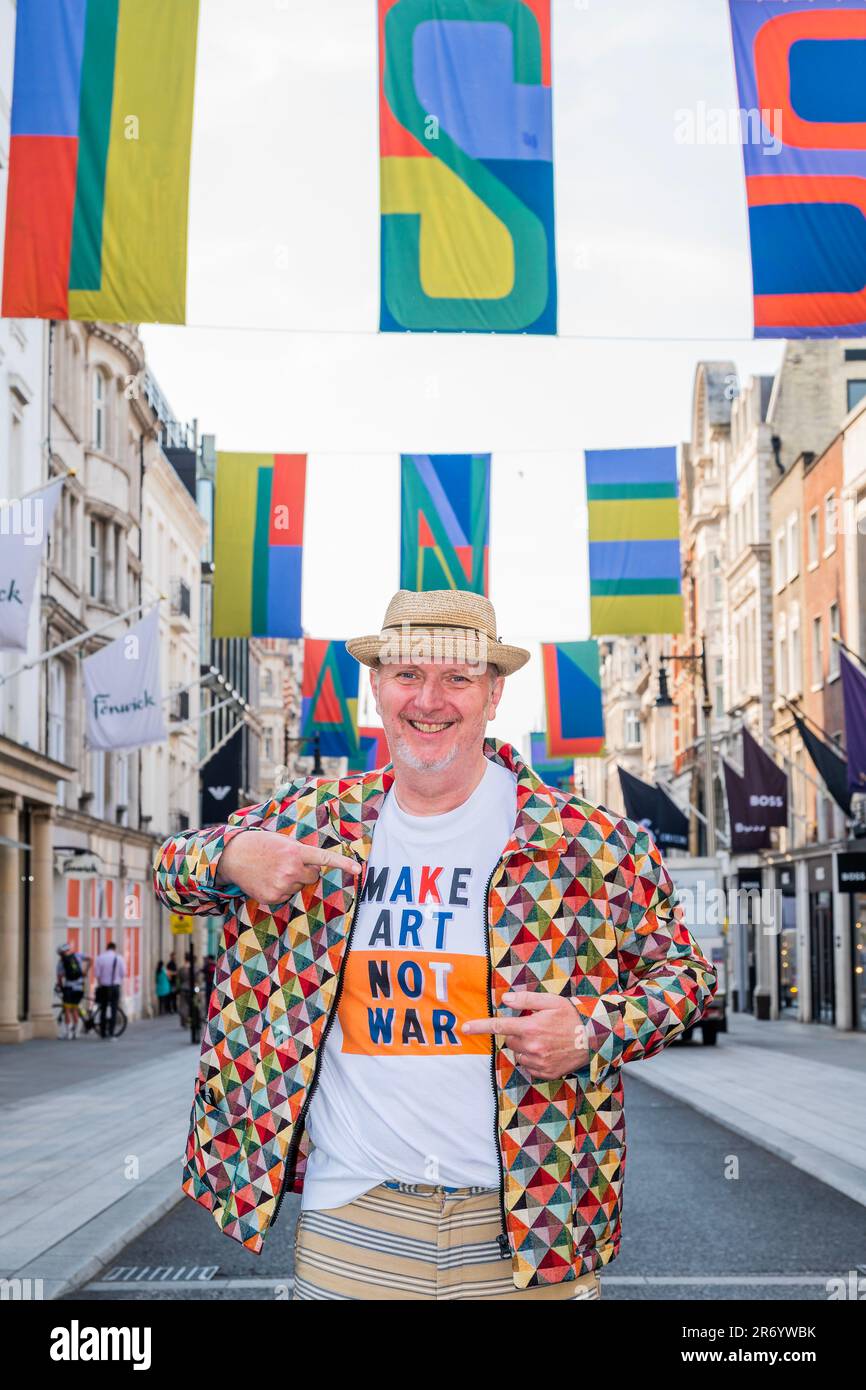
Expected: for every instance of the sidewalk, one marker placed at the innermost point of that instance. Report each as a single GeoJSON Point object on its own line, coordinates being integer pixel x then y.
{"type": "Point", "coordinates": [77, 1117]}
{"type": "Point", "coordinates": [91, 1147]}
{"type": "Point", "coordinates": [797, 1089]}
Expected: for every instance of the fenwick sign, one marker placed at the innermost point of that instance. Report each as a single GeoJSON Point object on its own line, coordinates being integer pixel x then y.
{"type": "Point", "coordinates": [124, 708]}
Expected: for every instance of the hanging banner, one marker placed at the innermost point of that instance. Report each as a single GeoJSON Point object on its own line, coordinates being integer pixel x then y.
{"type": "Point", "coordinates": [444, 521]}
{"type": "Point", "coordinates": [24, 526]}
{"type": "Point", "coordinates": [123, 700]}
{"type": "Point", "coordinates": [803, 116]}
{"type": "Point", "coordinates": [854, 697]}
{"type": "Point", "coordinates": [554, 772]}
{"type": "Point", "coordinates": [329, 699]}
{"type": "Point", "coordinates": [766, 784]}
{"type": "Point", "coordinates": [258, 544]}
{"type": "Point", "coordinates": [832, 769]}
{"type": "Point", "coordinates": [222, 781]}
{"type": "Point", "coordinates": [374, 751]}
{"type": "Point", "coordinates": [748, 832]}
{"type": "Point", "coordinates": [96, 207]}
{"type": "Point", "coordinates": [466, 182]}
{"type": "Point", "coordinates": [572, 697]}
{"type": "Point", "coordinates": [651, 807]}
{"type": "Point", "coordinates": [635, 581]}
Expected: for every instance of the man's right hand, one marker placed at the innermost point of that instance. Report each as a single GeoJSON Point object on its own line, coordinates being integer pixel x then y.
{"type": "Point", "coordinates": [271, 867]}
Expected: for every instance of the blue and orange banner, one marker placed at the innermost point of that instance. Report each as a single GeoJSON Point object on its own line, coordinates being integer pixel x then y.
{"type": "Point", "coordinates": [466, 183]}
{"type": "Point", "coordinates": [554, 772]}
{"type": "Point", "coordinates": [258, 544]}
{"type": "Point", "coordinates": [572, 698]}
{"type": "Point", "coordinates": [445, 521]}
{"type": "Point", "coordinates": [329, 699]}
{"type": "Point", "coordinates": [96, 208]}
{"type": "Point", "coordinates": [635, 582]}
{"type": "Point", "coordinates": [800, 67]}
{"type": "Point", "coordinates": [373, 750]}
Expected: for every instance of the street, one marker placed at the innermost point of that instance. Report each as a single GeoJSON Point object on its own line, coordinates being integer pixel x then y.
{"type": "Point", "coordinates": [773, 1232]}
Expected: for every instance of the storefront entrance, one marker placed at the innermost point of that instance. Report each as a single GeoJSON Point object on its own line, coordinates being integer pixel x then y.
{"type": "Point", "coordinates": [821, 956]}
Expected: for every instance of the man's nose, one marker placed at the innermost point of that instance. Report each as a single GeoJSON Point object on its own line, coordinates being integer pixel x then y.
{"type": "Point", "coordinates": [428, 697]}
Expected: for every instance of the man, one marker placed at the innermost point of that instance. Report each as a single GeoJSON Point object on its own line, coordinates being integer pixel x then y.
{"type": "Point", "coordinates": [72, 968]}
{"type": "Point", "coordinates": [110, 969]}
{"type": "Point", "coordinates": [428, 980]}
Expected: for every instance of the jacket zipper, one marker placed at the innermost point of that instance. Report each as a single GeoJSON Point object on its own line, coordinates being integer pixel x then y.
{"type": "Point", "coordinates": [502, 1238]}
{"type": "Point", "coordinates": [291, 1157]}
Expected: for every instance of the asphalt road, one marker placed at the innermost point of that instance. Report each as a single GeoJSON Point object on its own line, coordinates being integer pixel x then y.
{"type": "Point", "coordinates": [707, 1215]}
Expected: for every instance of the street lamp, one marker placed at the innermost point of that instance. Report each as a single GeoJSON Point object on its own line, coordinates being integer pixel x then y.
{"type": "Point", "coordinates": [664, 701]}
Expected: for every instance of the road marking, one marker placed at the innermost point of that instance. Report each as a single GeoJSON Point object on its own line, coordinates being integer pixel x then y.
{"type": "Point", "coordinates": [159, 1274]}
{"type": "Point", "coordinates": [805, 1281]}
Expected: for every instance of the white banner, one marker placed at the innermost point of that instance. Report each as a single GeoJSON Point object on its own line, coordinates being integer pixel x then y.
{"type": "Point", "coordinates": [24, 526]}
{"type": "Point", "coordinates": [122, 690]}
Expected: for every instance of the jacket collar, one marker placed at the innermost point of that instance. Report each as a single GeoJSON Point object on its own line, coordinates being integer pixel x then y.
{"type": "Point", "coordinates": [355, 807]}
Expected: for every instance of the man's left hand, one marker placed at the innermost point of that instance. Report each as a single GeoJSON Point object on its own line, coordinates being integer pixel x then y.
{"type": "Point", "coordinates": [551, 1043]}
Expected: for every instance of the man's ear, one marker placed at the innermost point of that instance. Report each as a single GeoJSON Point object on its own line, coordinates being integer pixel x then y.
{"type": "Point", "coordinates": [374, 686]}
{"type": "Point", "coordinates": [497, 686]}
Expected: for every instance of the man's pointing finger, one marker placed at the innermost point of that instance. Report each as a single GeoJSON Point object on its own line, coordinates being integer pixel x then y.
{"type": "Point", "coordinates": [531, 999]}
{"type": "Point", "coordinates": [330, 859]}
{"type": "Point", "coordinates": [504, 1027]}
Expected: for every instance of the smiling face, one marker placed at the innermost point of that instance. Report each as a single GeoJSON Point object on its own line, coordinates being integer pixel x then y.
{"type": "Point", "coordinates": [435, 716]}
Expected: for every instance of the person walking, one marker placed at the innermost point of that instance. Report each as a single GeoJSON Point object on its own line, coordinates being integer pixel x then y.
{"type": "Point", "coordinates": [109, 969]}
{"type": "Point", "coordinates": [440, 968]}
{"type": "Point", "coordinates": [72, 971]}
{"type": "Point", "coordinates": [163, 988]}
{"type": "Point", "coordinates": [171, 972]}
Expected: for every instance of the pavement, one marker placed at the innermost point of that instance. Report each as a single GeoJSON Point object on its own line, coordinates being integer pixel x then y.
{"type": "Point", "coordinates": [93, 1131]}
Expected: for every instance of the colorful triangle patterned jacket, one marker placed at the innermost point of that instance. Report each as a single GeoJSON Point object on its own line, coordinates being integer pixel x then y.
{"type": "Point", "coordinates": [579, 904]}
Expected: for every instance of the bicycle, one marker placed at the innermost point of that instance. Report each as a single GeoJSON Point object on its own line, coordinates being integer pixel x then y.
{"type": "Point", "coordinates": [88, 1013]}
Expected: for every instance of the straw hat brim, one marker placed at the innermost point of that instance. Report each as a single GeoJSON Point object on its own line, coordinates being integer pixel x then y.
{"type": "Point", "coordinates": [508, 659]}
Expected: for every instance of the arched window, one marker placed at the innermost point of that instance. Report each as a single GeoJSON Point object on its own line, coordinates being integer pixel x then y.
{"type": "Point", "coordinates": [99, 433]}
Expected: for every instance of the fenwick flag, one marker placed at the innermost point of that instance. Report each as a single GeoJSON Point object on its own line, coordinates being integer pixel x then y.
{"type": "Point", "coordinates": [854, 696]}
{"type": "Point", "coordinates": [766, 784]}
{"type": "Point", "coordinates": [122, 692]}
{"type": "Point", "coordinates": [748, 830]}
{"type": "Point", "coordinates": [24, 526]}
{"type": "Point", "coordinates": [653, 808]}
{"type": "Point", "coordinates": [832, 769]}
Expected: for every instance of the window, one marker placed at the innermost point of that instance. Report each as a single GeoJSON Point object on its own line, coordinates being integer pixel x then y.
{"type": "Point", "coordinates": [793, 568]}
{"type": "Point", "coordinates": [830, 523]}
{"type": "Point", "coordinates": [100, 421]}
{"type": "Point", "coordinates": [269, 745]}
{"type": "Point", "coordinates": [96, 805]}
{"type": "Point", "coordinates": [719, 688]}
{"type": "Point", "coordinates": [632, 728]}
{"type": "Point", "coordinates": [813, 538]}
{"type": "Point", "coordinates": [795, 675]}
{"type": "Point", "coordinates": [782, 657]}
{"type": "Point", "coordinates": [715, 578]}
{"type": "Point", "coordinates": [817, 652]}
{"type": "Point", "coordinates": [95, 558]}
{"type": "Point", "coordinates": [57, 718]}
{"type": "Point", "coordinates": [121, 787]}
{"type": "Point", "coordinates": [856, 392]}
{"type": "Point", "coordinates": [779, 577]}
{"type": "Point", "coordinates": [833, 653]}
{"type": "Point", "coordinates": [267, 682]}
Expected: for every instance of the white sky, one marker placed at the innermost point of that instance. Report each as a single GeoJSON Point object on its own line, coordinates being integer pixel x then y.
{"type": "Point", "coordinates": [284, 233]}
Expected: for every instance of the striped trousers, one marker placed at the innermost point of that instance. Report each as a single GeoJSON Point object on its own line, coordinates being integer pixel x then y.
{"type": "Point", "coordinates": [414, 1241]}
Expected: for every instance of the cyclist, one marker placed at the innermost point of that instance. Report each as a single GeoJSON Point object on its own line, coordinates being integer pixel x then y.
{"type": "Point", "coordinates": [72, 968]}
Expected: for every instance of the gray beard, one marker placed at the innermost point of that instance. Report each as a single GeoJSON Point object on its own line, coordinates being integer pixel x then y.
{"type": "Point", "coordinates": [423, 764]}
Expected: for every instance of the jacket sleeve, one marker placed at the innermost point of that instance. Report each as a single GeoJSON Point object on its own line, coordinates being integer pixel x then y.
{"type": "Point", "coordinates": [185, 866]}
{"type": "Point", "coordinates": [664, 982]}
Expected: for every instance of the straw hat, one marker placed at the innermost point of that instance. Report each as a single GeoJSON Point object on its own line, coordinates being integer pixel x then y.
{"type": "Point", "coordinates": [438, 625]}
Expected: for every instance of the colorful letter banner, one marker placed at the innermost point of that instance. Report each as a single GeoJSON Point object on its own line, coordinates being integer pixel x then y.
{"type": "Point", "coordinates": [329, 699]}
{"type": "Point", "coordinates": [634, 541]}
{"type": "Point", "coordinates": [554, 772]}
{"type": "Point", "coordinates": [800, 66]}
{"type": "Point", "coordinates": [96, 211]}
{"type": "Point", "coordinates": [444, 521]}
{"type": "Point", "coordinates": [466, 145]}
{"type": "Point", "coordinates": [374, 751]}
{"type": "Point", "coordinates": [258, 544]}
{"type": "Point", "coordinates": [572, 697]}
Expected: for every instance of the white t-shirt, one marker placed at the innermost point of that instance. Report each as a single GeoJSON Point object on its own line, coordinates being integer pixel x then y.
{"type": "Point", "coordinates": [402, 1093]}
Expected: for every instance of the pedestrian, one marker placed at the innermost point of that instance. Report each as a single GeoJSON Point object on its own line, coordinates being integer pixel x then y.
{"type": "Point", "coordinates": [71, 977]}
{"type": "Point", "coordinates": [440, 968]}
{"type": "Point", "coordinates": [163, 987]}
{"type": "Point", "coordinates": [171, 972]}
{"type": "Point", "coordinates": [208, 970]}
{"type": "Point", "coordinates": [109, 969]}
